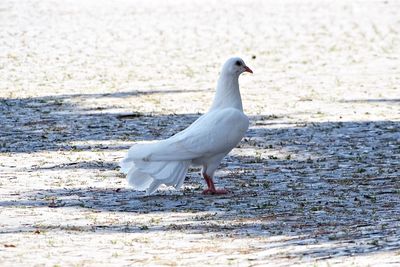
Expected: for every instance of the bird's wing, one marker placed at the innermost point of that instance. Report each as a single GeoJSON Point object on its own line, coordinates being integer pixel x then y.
{"type": "Point", "coordinates": [213, 133]}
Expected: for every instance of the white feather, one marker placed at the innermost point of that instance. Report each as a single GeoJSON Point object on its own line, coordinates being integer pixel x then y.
{"type": "Point", "coordinates": [205, 142]}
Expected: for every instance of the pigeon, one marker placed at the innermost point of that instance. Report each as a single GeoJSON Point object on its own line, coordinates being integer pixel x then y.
{"type": "Point", "coordinates": [204, 143]}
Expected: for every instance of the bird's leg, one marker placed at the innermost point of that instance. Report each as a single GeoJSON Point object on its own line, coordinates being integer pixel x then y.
{"type": "Point", "coordinates": [211, 187]}
{"type": "Point", "coordinates": [208, 181]}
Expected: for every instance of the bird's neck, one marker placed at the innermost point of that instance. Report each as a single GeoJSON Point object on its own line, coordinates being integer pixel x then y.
{"type": "Point", "coordinates": [227, 94]}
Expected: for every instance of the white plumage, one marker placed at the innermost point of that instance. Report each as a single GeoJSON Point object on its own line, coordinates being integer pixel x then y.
{"type": "Point", "coordinates": [204, 143]}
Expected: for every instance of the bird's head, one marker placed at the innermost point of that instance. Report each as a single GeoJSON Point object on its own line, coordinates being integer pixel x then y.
{"type": "Point", "coordinates": [235, 66]}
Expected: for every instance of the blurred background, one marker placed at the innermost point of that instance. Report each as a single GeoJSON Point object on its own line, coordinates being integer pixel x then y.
{"type": "Point", "coordinates": [302, 50]}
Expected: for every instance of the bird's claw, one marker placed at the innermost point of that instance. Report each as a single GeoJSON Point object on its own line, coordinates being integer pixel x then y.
{"type": "Point", "coordinates": [215, 191]}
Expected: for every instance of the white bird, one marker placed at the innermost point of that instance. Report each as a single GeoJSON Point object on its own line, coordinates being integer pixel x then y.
{"type": "Point", "coordinates": [204, 143]}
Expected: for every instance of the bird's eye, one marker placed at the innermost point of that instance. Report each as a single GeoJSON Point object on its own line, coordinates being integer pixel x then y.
{"type": "Point", "coordinates": [238, 63]}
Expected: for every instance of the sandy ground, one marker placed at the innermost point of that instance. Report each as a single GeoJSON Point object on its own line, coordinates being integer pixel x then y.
{"type": "Point", "coordinates": [314, 183]}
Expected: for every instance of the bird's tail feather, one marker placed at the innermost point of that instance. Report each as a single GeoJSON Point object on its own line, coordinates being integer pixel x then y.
{"type": "Point", "coordinates": [149, 175]}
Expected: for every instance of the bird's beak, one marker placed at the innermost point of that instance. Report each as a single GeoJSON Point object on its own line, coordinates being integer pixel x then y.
{"type": "Point", "coordinates": [247, 69]}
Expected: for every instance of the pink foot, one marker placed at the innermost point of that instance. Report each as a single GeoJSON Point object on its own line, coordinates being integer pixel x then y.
{"type": "Point", "coordinates": [209, 191]}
